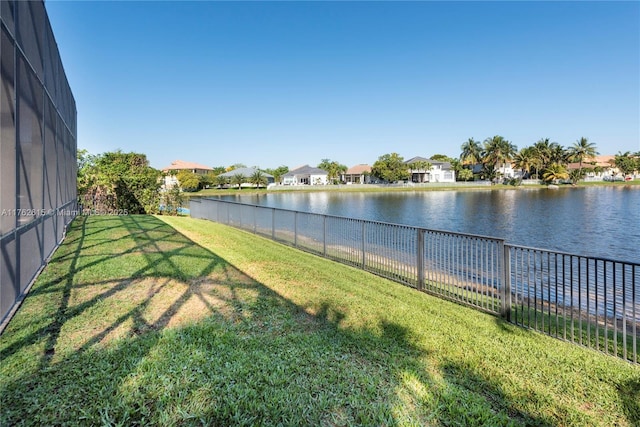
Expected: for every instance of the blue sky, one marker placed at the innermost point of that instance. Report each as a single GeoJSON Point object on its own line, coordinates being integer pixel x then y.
{"type": "Point", "coordinates": [290, 83]}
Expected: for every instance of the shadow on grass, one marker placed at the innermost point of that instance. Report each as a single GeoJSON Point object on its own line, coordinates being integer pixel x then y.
{"type": "Point", "coordinates": [630, 397]}
{"type": "Point", "coordinates": [133, 323]}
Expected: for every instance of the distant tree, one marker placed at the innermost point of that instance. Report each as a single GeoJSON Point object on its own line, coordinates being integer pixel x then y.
{"type": "Point", "coordinates": [471, 153]}
{"type": "Point", "coordinates": [464, 175]}
{"type": "Point", "coordinates": [581, 150]}
{"type": "Point", "coordinates": [333, 169]}
{"type": "Point", "coordinates": [489, 172]}
{"type": "Point", "coordinates": [441, 158]}
{"type": "Point", "coordinates": [221, 181]}
{"type": "Point", "coordinates": [560, 155]}
{"type": "Point", "coordinates": [258, 179]}
{"type": "Point", "coordinates": [498, 151]}
{"type": "Point", "coordinates": [217, 170]}
{"type": "Point", "coordinates": [576, 175]}
{"type": "Point", "coordinates": [208, 179]}
{"type": "Point", "coordinates": [420, 165]}
{"type": "Point", "coordinates": [188, 180]}
{"type": "Point", "coordinates": [278, 173]}
{"type": "Point", "coordinates": [545, 153]}
{"type": "Point", "coordinates": [554, 172]}
{"type": "Point", "coordinates": [238, 179]}
{"type": "Point", "coordinates": [84, 159]}
{"type": "Point", "coordinates": [236, 166]}
{"type": "Point", "coordinates": [627, 163]}
{"type": "Point", "coordinates": [526, 160]}
{"type": "Point", "coordinates": [390, 167]}
{"type": "Point", "coordinates": [457, 166]}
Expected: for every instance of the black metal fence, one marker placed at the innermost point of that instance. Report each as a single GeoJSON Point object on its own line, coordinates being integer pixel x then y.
{"type": "Point", "coordinates": [37, 148]}
{"type": "Point", "coordinates": [588, 301]}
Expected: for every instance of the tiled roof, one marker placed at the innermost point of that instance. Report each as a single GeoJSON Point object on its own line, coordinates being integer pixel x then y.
{"type": "Point", "coordinates": [605, 161]}
{"type": "Point", "coordinates": [182, 165]}
{"type": "Point", "coordinates": [358, 169]}
{"type": "Point", "coordinates": [418, 159]}
{"type": "Point", "coordinates": [306, 170]}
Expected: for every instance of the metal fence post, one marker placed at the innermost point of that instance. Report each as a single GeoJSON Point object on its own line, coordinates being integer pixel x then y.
{"type": "Point", "coordinates": [506, 282]}
{"type": "Point", "coordinates": [324, 235]}
{"type": "Point", "coordinates": [295, 228]}
{"type": "Point", "coordinates": [363, 244]}
{"type": "Point", "coordinates": [273, 223]}
{"type": "Point", "coordinates": [420, 259]}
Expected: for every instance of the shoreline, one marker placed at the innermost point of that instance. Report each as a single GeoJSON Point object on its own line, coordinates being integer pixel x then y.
{"type": "Point", "coordinates": [378, 188]}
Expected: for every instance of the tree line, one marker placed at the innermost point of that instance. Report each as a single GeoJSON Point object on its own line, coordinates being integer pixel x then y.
{"type": "Point", "coordinates": [117, 181]}
{"type": "Point", "coordinates": [544, 160]}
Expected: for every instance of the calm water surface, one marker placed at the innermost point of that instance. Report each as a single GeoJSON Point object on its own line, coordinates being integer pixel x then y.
{"type": "Point", "coordinates": [592, 221]}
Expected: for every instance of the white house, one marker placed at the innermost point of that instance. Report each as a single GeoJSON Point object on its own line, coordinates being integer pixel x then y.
{"type": "Point", "coordinates": [305, 175]}
{"type": "Point", "coordinates": [438, 172]}
{"type": "Point", "coordinates": [506, 171]}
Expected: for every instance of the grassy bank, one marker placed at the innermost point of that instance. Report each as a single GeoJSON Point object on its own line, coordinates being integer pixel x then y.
{"type": "Point", "coordinates": [162, 321]}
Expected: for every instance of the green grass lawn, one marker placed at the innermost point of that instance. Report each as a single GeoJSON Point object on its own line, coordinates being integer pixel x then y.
{"type": "Point", "coordinates": [143, 320]}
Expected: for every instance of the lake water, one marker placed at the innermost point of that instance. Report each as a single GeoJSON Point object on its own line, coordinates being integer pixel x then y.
{"type": "Point", "coordinates": [592, 221]}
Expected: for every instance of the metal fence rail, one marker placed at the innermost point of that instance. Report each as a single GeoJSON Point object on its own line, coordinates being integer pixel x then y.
{"type": "Point", "coordinates": [592, 302]}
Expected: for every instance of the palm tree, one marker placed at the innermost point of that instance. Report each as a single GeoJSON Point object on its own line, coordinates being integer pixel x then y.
{"type": "Point", "coordinates": [576, 175]}
{"type": "Point", "coordinates": [421, 167]}
{"type": "Point", "coordinates": [498, 151]}
{"type": "Point", "coordinates": [526, 160]}
{"type": "Point", "coordinates": [582, 149]}
{"type": "Point", "coordinates": [543, 149]}
{"type": "Point", "coordinates": [489, 172]}
{"type": "Point", "coordinates": [220, 181]}
{"type": "Point", "coordinates": [258, 179]}
{"type": "Point", "coordinates": [559, 155]}
{"type": "Point", "coordinates": [627, 163]}
{"type": "Point", "coordinates": [554, 172]}
{"type": "Point", "coordinates": [238, 179]}
{"type": "Point", "coordinates": [471, 153]}
{"type": "Point", "coordinates": [333, 169]}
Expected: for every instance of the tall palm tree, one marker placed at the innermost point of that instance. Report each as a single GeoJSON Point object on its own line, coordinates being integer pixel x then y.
{"type": "Point", "coordinates": [526, 160]}
{"type": "Point", "coordinates": [498, 151]}
{"type": "Point", "coordinates": [559, 155]}
{"type": "Point", "coordinates": [471, 153]}
{"type": "Point", "coordinates": [547, 153]}
{"type": "Point", "coordinates": [582, 149]}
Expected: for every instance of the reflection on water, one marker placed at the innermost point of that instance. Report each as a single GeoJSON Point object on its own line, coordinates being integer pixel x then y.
{"type": "Point", "coordinates": [593, 221]}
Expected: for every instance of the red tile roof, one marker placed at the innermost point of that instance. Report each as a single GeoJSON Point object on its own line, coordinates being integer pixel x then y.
{"type": "Point", "coordinates": [182, 165]}
{"type": "Point", "coordinates": [358, 169]}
